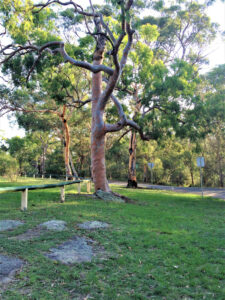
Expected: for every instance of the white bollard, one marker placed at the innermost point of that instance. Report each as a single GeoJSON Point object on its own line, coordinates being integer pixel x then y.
{"type": "Point", "coordinates": [63, 194]}
{"type": "Point", "coordinates": [42, 176]}
{"type": "Point", "coordinates": [34, 175]}
{"type": "Point", "coordinates": [50, 177]}
{"type": "Point", "coordinates": [24, 199]}
{"type": "Point", "coordinates": [79, 188]}
{"type": "Point", "coordinates": [88, 187]}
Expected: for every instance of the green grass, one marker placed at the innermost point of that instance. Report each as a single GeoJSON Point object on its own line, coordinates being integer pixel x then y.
{"type": "Point", "coordinates": [166, 246]}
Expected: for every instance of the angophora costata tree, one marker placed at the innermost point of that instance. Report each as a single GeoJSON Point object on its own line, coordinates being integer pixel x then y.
{"type": "Point", "coordinates": [24, 22]}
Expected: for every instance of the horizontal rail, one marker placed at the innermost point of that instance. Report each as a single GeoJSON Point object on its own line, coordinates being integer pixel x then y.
{"type": "Point", "coordinates": [35, 187]}
{"type": "Point", "coordinates": [24, 190]}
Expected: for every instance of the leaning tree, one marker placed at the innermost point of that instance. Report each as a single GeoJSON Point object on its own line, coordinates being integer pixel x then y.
{"type": "Point", "coordinates": [29, 30]}
{"type": "Point", "coordinates": [58, 94]}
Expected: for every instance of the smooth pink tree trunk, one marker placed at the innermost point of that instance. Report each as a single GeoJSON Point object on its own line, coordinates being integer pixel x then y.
{"type": "Point", "coordinates": [98, 166]}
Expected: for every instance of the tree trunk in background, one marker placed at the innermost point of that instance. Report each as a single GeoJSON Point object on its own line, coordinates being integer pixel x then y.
{"type": "Point", "coordinates": [43, 158]}
{"type": "Point", "coordinates": [219, 160]}
{"type": "Point", "coordinates": [145, 173]}
{"type": "Point", "coordinates": [192, 178]}
{"type": "Point", "coordinates": [66, 142]}
{"type": "Point", "coordinates": [98, 167]}
{"type": "Point", "coordinates": [75, 174]}
{"type": "Point", "coordinates": [132, 180]}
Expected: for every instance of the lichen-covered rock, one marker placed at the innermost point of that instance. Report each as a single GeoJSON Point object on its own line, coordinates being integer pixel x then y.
{"type": "Point", "coordinates": [89, 225]}
{"type": "Point", "coordinates": [9, 224]}
{"type": "Point", "coordinates": [56, 225]}
{"type": "Point", "coordinates": [108, 196]}
{"type": "Point", "coordinates": [76, 250]}
{"type": "Point", "coordinates": [8, 267]}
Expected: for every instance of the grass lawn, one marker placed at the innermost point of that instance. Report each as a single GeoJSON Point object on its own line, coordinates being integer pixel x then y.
{"type": "Point", "coordinates": [166, 246]}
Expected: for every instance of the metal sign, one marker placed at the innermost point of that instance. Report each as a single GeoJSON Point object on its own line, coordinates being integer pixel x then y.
{"type": "Point", "coordinates": [151, 165]}
{"type": "Point", "coordinates": [200, 162]}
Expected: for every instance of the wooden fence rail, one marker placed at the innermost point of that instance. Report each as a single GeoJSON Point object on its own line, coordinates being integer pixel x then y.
{"type": "Point", "coordinates": [24, 190]}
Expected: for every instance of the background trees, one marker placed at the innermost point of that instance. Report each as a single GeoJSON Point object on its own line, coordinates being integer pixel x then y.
{"type": "Point", "coordinates": [162, 76]}
{"type": "Point", "coordinates": [150, 83]}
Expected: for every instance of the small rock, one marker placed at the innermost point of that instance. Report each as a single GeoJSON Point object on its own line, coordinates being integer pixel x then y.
{"type": "Point", "coordinates": [76, 250]}
{"type": "Point", "coordinates": [108, 196]}
{"type": "Point", "coordinates": [56, 225]}
{"type": "Point", "coordinates": [9, 224]}
{"type": "Point", "coordinates": [93, 225]}
{"type": "Point", "coordinates": [9, 266]}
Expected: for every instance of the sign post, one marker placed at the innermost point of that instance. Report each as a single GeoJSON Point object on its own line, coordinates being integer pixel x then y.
{"type": "Point", "coordinates": [201, 164]}
{"type": "Point", "coordinates": [151, 166]}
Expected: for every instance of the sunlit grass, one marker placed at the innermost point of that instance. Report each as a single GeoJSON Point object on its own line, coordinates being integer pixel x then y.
{"type": "Point", "coordinates": [166, 246]}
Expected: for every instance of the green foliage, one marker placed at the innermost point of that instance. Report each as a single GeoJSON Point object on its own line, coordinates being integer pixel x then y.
{"type": "Point", "coordinates": [32, 122]}
{"type": "Point", "coordinates": [27, 151]}
{"type": "Point", "coordinates": [55, 162]}
{"type": "Point", "coordinates": [70, 18]}
{"type": "Point", "coordinates": [24, 24]}
{"type": "Point", "coordinates": [184, 28]}
{"type": "Point", "coordinates": [116, 156]}
{"type": "Point", "coordinates": [149, 32]}
{"type": "Point", "coordinates": [8, 166]}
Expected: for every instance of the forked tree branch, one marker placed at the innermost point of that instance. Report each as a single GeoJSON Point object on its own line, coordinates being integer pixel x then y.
{"type": "Point", "coordinates": [123, 121]}
{"type": "Point", "coordinates": [119, 66]}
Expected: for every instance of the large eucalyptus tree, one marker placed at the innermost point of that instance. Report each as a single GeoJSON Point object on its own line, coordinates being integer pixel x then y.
{"type": "Point", "coordinates": [33, 33]}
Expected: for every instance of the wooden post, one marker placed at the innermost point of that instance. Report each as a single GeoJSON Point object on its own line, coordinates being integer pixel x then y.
{"type": "Point", "coordinates": [79, 188]}
{"type": "Point", "coordinates": [63, 193]}
{"type": "Point", "coordinates": [24, 199]}
{"type": "Point", "coordinates": [88, 186]}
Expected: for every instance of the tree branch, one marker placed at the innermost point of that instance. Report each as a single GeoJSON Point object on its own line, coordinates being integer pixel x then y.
{"type": "Point", "coordinates": [62, 51]}
{"type": "Point", "coordinates": [83, 64]}
{"type": "Point", "coordinates": [124, 122]}
{"type": "Point", "coordinates": [77, 8]}
{"type": "Point", "coordinates": [125, 133]}
{"type": "Point", "coordinates": [107, 29]}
